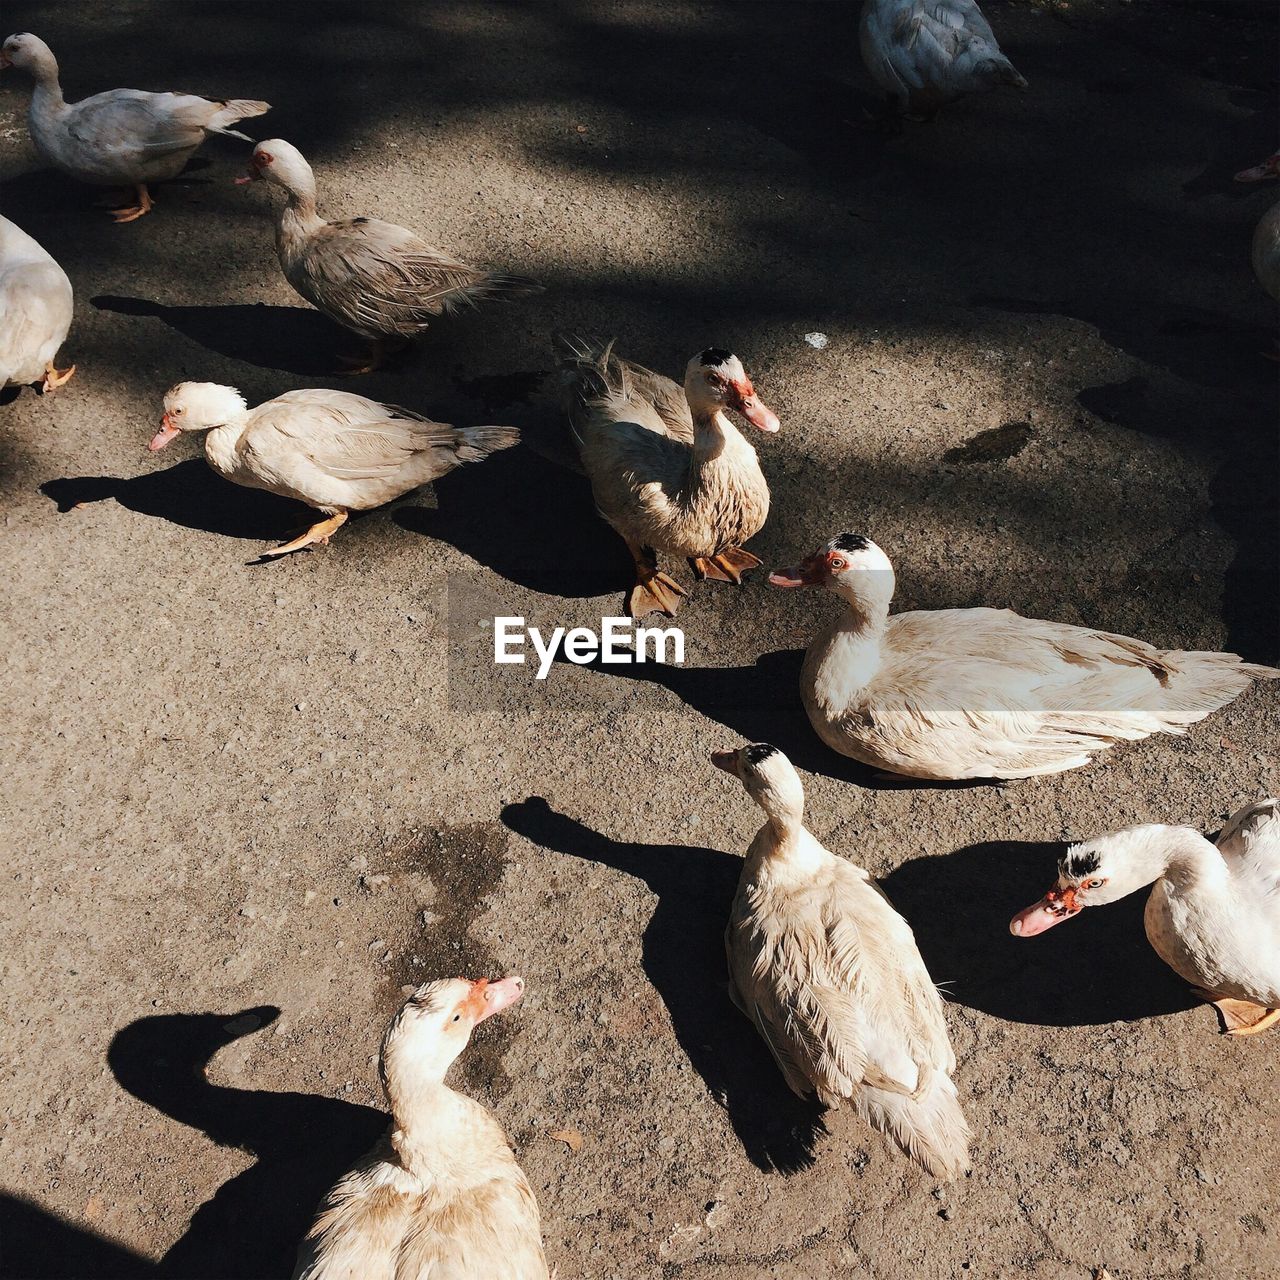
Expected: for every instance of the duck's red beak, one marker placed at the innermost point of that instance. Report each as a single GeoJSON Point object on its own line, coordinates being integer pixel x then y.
{"type": "Point", "coordinates": [1055, 907]}
{"type": "Point", "coordinates": [726, 760]}
{"type": "Point", "coordinates": [810, 572]}
{"type": "Point", "coordinates": [166, 433]}
{"type": "Point", "coordinates": [1269, 168]}
{"type": "Point", "coordinates": [754, 409]}
{"type": "Point", "coordinates": [251, 174]}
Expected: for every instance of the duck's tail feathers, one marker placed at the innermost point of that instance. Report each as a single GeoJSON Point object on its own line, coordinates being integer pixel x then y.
{"type": "Point", "coordinates": [587, 370]}
{"type": "Point", "coordinates": [1202, 682]}
{"type": "Point", "coordinates": [474, 443]}
{"type": "Point", "coordinates": [928, 1125]}
{"type": "Point", "coordinates": [235, 109]}
{"type": "Point", "coordinates": [502, 284]}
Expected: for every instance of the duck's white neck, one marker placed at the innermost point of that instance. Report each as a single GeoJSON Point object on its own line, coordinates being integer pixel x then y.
{"type": "Point", "coordinates": [220, 444]}
{"type": "Point", "coordinates": [853, 654]}
{"type": "Point", "coordinates": [712, 431]}
{"type": "Point", "coordinates": [47, 94]}
{"type": "Point", "coordinates": [434, 1132]}
{"type": "Point", "coordinates": [299, 212]}
{"type": "Point", "coordinates": [1180, 856]}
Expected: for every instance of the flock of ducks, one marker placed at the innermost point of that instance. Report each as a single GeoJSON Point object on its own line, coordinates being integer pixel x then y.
{"type": "Point", "coordinates": [820, 962]}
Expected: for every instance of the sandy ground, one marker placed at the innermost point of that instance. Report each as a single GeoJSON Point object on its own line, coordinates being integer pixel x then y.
{"type": "Point", "coordinates": [245, 804]}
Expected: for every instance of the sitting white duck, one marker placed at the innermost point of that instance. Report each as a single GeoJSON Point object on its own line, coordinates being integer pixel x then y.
{"type": "Point", "coordinates": [121, 138]}
{"type": "Point", "coordinates": [926, 53]}
{"type": "Point", "coordinates": [1266, 237]}
{"type": "Point", "coordinates": [36, 306]}
{"type": "Point", "coordinates": [333, 450]}
{"type": "Point", "coordinates": [441, 1197]}
{"type": "Point", "coordinates": [831, 977]}
{"type": "Point", "coordinates": [668, 470]}
{"type": "Point", "coordinates": [1213, 916]}
{"type": "Point", "coordinates": [952, 694]}
{"type": "Point", "coordinates": [380, 280]}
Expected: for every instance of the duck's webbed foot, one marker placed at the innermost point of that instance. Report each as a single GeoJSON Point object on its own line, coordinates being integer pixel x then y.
{"type": "Point", "coordinates": [379, 353]}
{"type": "Point", "coordinates": [655, 591]}
{"type": "Point", "coordinates": [131, 213]}
{"type": "Point", "coordinates": [727, 566]}
{"type": "Point", "coordinates": [317, 535]}
{"type": "Point", "coordinates": [55, 377]}
{"type": "Point", "coordinates": [1240, 1017]}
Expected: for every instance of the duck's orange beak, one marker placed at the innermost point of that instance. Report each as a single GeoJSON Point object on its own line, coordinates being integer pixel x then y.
{"type": "Point", "coordinates": [166, 433]}
{"type": "Point", "coordinates": [1056, 906]}
{"type": "Point", "coordinates": [488, 998]}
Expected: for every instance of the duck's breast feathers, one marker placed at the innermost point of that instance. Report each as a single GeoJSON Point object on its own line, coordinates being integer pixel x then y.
{"type": "Point", "coordinates": [381, 279]}
{"type": "Point", "coordinates": [35, 303]}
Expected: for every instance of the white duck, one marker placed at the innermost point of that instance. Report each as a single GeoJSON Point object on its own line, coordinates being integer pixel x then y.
{"type": "Point", "coordinates": [441, 1197]}
{"type": "Point", "coordinates": [925, 53]}
{"type": "Point", "coordinates": [121, 138]}
{"type": "Point", "coordinates": [36, 305]}
{"type": "Point", "coordinates": [986, 693]}
{"type": "Point", "coordinates": [668, 470]}
{"type": "Point", "coordinates": [333, 450]}
{"type": "Point", "coordinates": [1266, 237]}
{"type": "Point", "coordinates": [1213, 916]}
{"type": "Point", "coordinates": [377, 279]}
{"type": "Point", "coordinates": [831, 977]}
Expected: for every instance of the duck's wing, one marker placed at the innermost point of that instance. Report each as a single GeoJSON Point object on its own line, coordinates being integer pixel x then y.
{"type": "Point", "coordinates": [1013, 696]}
{"type": "Point", "coordinates": [345, 436]}
{"type": "Point", "coordinates": [382, 278]}
{"type": "Point", "coordinates": [147, 126]}
{"type": "Point", "coordinates": [491, 1230]}
{"type": "Point", "coordinates": [1250, 843]}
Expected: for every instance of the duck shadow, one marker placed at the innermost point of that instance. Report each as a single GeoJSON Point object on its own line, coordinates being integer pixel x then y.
{"type": "Point", "coordinates": [302, 1143]}
{"type": "Point", "coordinates": [695, 888]}
{"type": "Point", "coordinates": [1095, 968]}
{"type": "Point", "coordinates": [298, 340]}
{"type": "Point", "coordinates": [38, 1245]}
{"type": "Point", "coordinates": [187, 494]}
{"type": "Point", "coordinates": [530, 521]}
{"type": "Point", "coordinates": [761, 703]}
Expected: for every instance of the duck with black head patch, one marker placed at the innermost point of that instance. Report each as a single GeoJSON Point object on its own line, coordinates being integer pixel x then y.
{"type": "Point", "coordinates": [668, 469]}
{"type": "Point", "coordinates": [831, 976]}
{"type": "Point", "coordinates": [951, 694]}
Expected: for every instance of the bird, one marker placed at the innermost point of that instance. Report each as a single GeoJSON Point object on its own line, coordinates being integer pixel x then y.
{"type": "Point", "coordinates": [1266, 236]}
{"type": "Point", "coordinates": [336, 451]}
{"type": "Point", "coordinates": [123, 137]}
{"type": "Point", "coordinates": [36, 304]}
{"type": "Point", "coordinates": [953, 694]}
{"type": "Point", "coordinates": [381, 281]}
{"type": "Point", "coordinates": [926, 53]}
{"type": "Point", "coordinates": [668, 469]}
{"type": "Point", "coordinates": [1213, 914]}
{"type": "Point", "coordinates": [441, 1196]}
{"type": "Point", "coordinates": [831, 977]}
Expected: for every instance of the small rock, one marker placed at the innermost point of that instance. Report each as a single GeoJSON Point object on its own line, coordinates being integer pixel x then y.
{"type": "Point", "coordinates": [817, 340]}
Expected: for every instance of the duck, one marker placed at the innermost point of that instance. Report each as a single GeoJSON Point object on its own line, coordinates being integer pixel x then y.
{"type": "Point", "coordinates": [960, 694]}
{"type": "Point", "coordinates": [1213, 914]}
{"type": "Point", "coordinates": [668, 470]}
{"type": "Point", "coordinates": [441, 1196]}
{"type": "Point", "coordinates": [36, 302]}
{"type": "Point", "coordinates": [379, 280]}
{"type": "Point", "coordinates": [1266, 236]}
{"type": "Point", "coordinates": [831, 977]}
{"type": "Point", "coordinates": [926, 53]}
{"type": "Point", "coordinates": [336, 451]}
{"type": "Point", "coordinates": [123, 137]}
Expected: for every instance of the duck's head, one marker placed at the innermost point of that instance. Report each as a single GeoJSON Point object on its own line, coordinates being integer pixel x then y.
{"type": "Point", "coordinates": [1104, 869]}
{"type": "Point", "coordinates": [715, 379]}
{"type": "Point", "coordinates": [280, 162]}
{"type": "Point", "coordinates": [1269, 168]}
{"type": "Point", "coordinates": [850, 565]}
{"type": "Point", "coordinates": [769, 777]}
{"type": "Point", "coordinates": [197, 406]}
{"type": "Point", "coordinates": [28, 53]}
{"type": "Point", "coordinates": [433, 1027]}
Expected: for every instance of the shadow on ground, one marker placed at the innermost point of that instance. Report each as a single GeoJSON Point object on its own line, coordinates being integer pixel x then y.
{"type": "Point", "coordinates": [695, 889]}
{"type": "Point", "coordinates": [1095, 968]}
{"type": "Point", "coordinates": [302, 1143]}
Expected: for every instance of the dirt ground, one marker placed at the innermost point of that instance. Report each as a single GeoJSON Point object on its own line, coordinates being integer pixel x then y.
{"type": "Point", "coordinates": [245, 803]}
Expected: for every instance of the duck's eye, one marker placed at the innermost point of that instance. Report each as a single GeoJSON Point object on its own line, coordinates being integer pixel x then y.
{"type": "Point", "coordinates": [837, 563]}
{"type": "Point", "coordinates": [1094, 884]}
{"type": "Point", "coordinates": [457, 1016]}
